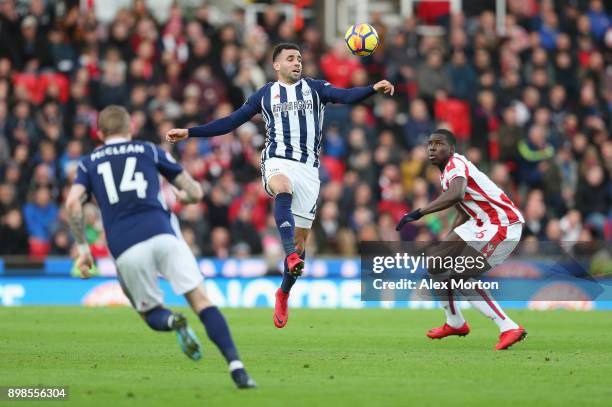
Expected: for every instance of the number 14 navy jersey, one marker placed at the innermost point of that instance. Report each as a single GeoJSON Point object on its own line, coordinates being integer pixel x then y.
{"type": "Point", "coordinates": [123, 176]}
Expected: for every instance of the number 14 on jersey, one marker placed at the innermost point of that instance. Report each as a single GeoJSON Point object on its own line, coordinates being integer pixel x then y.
{"type": "Point", "coordinates": [130, 181]}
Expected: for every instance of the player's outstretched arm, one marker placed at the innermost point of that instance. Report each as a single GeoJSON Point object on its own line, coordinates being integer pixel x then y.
{"type": "Point", "coordinates": [74, 206]}
{"type": "Point", "coordinates": [454, 194]}
{"type": "Point", "coordinates": [353, 95]}
{"type": "Point", "coordinates": [215, 128]}
{"type": "Point", "coordinates": [189, 191]}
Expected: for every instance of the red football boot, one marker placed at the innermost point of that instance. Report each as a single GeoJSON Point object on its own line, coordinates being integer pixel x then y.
{"type": "Point", "coordinates": [447, 330]}
{"type": "Point", "coordinates": [295, 264]}
{"type": "Point", "coordinates": [281, 312]}
{"type": "Point", "coordinates": [510, 337]}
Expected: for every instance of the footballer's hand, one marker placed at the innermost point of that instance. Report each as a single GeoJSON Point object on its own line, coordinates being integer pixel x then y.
{"type": "Point", "coordinates": [385, 87]}
{"type": "Point", "coordinates": [84, 263]}
{"type": "Point", "coordinates": [183, 197]}
{"type": "Point", "coordinates": [176, 135]}
{"type": "Point", "coordinates": [409, 217]}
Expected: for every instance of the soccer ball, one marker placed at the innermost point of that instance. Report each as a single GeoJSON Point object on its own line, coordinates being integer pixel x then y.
{"type": "Point", "coordinates": [361, 39]}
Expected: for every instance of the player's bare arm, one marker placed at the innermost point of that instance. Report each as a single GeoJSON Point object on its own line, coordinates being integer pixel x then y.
{"type": "Point", "coordinates": [189, 191]}
{"type": "Point", "coordinates": [450, 197]}
{"type": "Point", "coordinates": [355, 95]}
{"type": "Point", "coordinates": [217, 127]}
{"type": "Point", "coordinates": [460, 218]}
{"type": "Point", "coordinates": [74, 206]}
{"type": "Point", "coordinates": [454, 194]}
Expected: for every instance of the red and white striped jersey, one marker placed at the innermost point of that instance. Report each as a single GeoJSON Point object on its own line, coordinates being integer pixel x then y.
{"type": "Point", "coordinates": [483, 201]}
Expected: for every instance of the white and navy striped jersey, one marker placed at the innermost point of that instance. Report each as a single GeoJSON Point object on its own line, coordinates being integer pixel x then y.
{"type": "Point", "coordinates": [293, 115]}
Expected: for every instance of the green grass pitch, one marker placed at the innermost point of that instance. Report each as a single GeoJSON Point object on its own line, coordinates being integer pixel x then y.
{"type": "Point", "coordinates": [109, 357]}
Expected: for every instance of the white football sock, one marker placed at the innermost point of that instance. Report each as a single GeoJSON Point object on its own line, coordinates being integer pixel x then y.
{"type": "Point", "coordinates": [490, 308]}
{"type": "Point", "coordinates": [454, 317]}
{"type": "Point", "coordinates": [235, 364]}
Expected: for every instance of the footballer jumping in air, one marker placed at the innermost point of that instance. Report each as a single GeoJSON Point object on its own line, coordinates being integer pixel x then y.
{"type": "Point", "coordinates": [123, 176]}
{"type": "Point", "coordinates": [487, 221]}
{"type": "Point", "coordinates": [292, 109]}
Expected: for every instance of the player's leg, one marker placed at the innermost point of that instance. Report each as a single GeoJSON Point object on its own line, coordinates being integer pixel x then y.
{"type": "Point", "coordinates": [499, 243]}
{"type": "Point", "coordinates": [281, 309]}
{"type": "Point", "coordinates": [484, 302]}
{"type": "Point", "coordinates": [141, 287]}
{"type": "Point", "coordinates": [277, 182]}
{"type": "Point", "coordinates": [137, 273]}
{"type": "Point", "coordinates": [510, 331]}
{"type": "Point", "coordinates": [305, 194]}
{"type": "Point", "coordinates": [219, 333]}
{"type": "Point", "coordinates": [180, 268]}
{"type": "Point", "coordinates": [281, 187]}
{"type": "Point", "coordinates": [213, 321]}
{"type": "Point", "coordinates": [455, 323]}
{"type": "Point", "coordinates": [159, 318]}
{"type": "Point", "coordinates": [289, 279]}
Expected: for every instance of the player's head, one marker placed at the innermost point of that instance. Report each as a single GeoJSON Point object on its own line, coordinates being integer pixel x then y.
{"type": "Point", "coordinates": [114, 121]}
{"type": "Point", "coordinates": [441, 146]}
{"type": "Point", "coordinates": [287, 62]}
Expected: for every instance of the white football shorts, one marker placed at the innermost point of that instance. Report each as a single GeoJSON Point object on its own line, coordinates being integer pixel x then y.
{"type": "Point", "coordinates": [494, 241]}
{"type": "Point", "coordinates": [138, 268]}
{"type": "Point", "coordinates": [305, 183]}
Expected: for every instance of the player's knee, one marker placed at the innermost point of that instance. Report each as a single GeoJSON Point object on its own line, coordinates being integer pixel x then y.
{"type": "Point", "coordinates": [280, 184]}
{"type": "Point", "coordinates": [283, 189]}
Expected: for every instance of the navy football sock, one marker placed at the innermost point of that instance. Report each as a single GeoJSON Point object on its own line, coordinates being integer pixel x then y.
{"type": "Point", "coordinates": [219, 333]}
{"type": "Point", "coordinates": [288, 278]}
{"type": "Point", "coordinates": [284, 221]}
{"type": "Point", "coordinates": [159, 319]}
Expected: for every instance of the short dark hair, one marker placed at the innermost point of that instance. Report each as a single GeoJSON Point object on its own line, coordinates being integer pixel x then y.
{"type": "Point", "coordinates": [450, 137]}
{"type": "Point", "coordinates": [280, 47]}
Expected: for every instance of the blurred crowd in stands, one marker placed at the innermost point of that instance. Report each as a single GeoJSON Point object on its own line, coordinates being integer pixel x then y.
{"type": "Point", "coordinates": [531, 108]}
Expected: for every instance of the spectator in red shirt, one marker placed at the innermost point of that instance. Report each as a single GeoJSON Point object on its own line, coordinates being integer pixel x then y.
{"type": "Point", "coordinates": [338, 65]}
